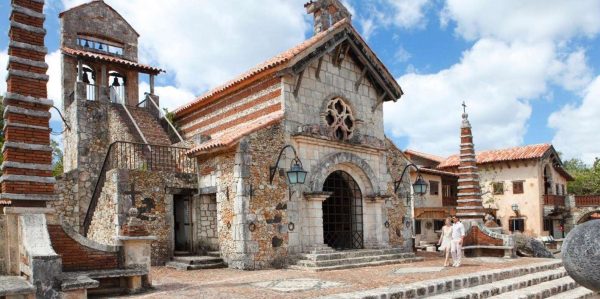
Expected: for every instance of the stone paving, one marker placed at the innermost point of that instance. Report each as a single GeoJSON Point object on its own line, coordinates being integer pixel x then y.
{"type": "Point", "coordinates": [230, 283]}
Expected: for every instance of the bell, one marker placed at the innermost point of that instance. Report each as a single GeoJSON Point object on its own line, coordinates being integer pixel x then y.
{"type": "Point", "coordinates": [100, 47]}
{"type": "Point", "coordinates": [116, 82]}
{"type": "Point", "coordinates": [87, 44]}
{"type": "Point", "coordinates": [85, 78]}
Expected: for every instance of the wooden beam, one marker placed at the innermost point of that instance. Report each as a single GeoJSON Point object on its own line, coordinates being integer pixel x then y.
{"type": "Point", "coordinates": [343, 55]}
{"type": "Point", "coordinates": [379, 101]}
{"type": "Point", "coordinates": [336, 55]}
{"type": "Point", "coordinates": [361, 57]}
{"type": "Point", "coordinates": [298, 83]}
{"type": "Point", "coordinates": [318, 71]}
{"type": "Point", "coordinates": [360, 78]}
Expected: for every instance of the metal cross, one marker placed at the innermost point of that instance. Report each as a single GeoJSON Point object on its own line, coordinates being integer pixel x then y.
{"type": "Point", "coordinates": [464, 107]}
{"type": "Point", "coordinates": [132, 193]}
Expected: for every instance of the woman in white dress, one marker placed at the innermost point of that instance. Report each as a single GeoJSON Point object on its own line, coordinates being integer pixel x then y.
{"type": "Point", "coordinates": [445, 239]}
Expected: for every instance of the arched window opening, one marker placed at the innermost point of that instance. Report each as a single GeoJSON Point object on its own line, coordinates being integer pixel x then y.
{"type": "Point", "coordinates": [88, 76]}
{"type": "Point", "coordinates": [340, 119]}
{"type": "Point", "coordinates": [117, 87]}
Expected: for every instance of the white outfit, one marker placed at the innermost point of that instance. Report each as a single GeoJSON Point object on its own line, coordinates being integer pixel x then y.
{"type": "Point", "coordinates": [446, 238]}
{"type": "Point", "coordinates": [458, 231]}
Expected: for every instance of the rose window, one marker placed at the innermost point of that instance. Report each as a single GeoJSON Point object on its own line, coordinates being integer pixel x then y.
{"type": "Point", "coordinates": [340, 120]}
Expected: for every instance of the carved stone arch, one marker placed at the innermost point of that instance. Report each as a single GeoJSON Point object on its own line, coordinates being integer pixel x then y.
{"type": "Point", "coordinates": [354, 165]}
{"type": "Point", "coordinates": [586, 213]}
{"type": "Point", "coordinates": [338, 115]}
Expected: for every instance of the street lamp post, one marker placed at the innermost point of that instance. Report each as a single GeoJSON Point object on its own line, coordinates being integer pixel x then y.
{"type": "Point", "coordinates": [419, 187]}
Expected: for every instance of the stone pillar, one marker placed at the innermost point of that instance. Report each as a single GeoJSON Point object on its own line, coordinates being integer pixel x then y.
{"type": "Point", "coordinates": [313, 221]}
{"type": "Point", "coordinates": [375, 232]}
{"type": "Point", "coordinates": [137, 251]}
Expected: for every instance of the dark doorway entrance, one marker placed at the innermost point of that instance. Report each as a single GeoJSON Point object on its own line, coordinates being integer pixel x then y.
{"type": "Point", "coordinates": [183, 222]}
{"type": "Point", "coordinates": [342, 212]}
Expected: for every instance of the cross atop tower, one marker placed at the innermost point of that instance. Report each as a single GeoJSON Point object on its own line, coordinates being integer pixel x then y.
{"type": "Point", "coordinates": [464, 107]}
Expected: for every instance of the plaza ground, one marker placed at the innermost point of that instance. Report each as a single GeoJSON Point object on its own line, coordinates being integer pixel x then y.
{"type": "Point", "coordinates": [230, 283]}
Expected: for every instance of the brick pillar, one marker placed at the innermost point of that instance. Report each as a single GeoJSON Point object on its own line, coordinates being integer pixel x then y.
{"type": "Point", "coordinates": [469, 201]}
{"type": "Point", "coordinates": [27, 169]}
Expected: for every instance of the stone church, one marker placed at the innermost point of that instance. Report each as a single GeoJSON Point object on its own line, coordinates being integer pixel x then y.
{"type": "Point", "coordinates": [287, 161]}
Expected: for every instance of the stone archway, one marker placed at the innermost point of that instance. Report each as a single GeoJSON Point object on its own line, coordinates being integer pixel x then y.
{"type": "Point", "coordinates": [589, 215]}
{"type": "Point", "coordinates": [354, 165]}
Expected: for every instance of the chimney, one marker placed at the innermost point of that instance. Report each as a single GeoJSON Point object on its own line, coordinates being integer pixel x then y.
{"type": "Point", "coordinates": [326, 13]}
{"type": "Point", "coordinates": [470, 205]}
{"type": "Point", "coordinates": [27, 179]}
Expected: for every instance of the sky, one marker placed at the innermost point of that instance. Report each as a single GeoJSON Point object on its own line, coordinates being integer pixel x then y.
{"type": "Point", "coordinates": [529, 71]}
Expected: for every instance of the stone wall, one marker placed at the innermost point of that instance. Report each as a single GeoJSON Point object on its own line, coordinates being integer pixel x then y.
{"type": "Point", "coordinates": [206, 222]}
{"type": "Point", "coordinates": [3, 245]}
{"type": "Point", "coordinates": [67, 207]}
{"type": "Point", "coordinates": [153, 201]}
{"type": "Point", "coordinates": [398, 210]}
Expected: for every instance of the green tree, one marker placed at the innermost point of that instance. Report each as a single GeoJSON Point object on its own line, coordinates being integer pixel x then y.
{"type": "Point", "coordinates": [587, 178]}
{"type": "Point", "coordinates": [57, 159]}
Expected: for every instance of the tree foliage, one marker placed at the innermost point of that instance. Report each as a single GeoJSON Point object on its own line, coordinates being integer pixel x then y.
{"type": "Point", "coordinates": [57, 159]}
{"type": "Point", "coordinates": [587, 178]}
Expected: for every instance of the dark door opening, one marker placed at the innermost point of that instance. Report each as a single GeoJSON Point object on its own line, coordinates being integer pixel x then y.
{"type": "Point", "coordinates": [183, 222]}
{"type": "Point", "coordinates": [342, 212]}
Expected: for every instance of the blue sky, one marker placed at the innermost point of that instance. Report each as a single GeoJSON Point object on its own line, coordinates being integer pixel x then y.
{"type": "Point", "coordinates": [529, 71]}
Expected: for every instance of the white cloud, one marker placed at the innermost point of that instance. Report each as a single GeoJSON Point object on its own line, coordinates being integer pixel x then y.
{"type": "Point", "coordinates": [171, 97]}
{"type": "Point", "coordinates": [495, 78]}
{"type": "Point", "coordinates": [54, 84]}
{"type": "Point", "coordinates": [3, 71]}
{"type": "Point", "coordinates": [573, 73]}
{"type": "Point", "coordinates": [577, 127]}
{"type": "Point", "coordinates": [205, 43]}
{"type": "Point", "coordinates": [532, 20]}
{"type": "Point", "coordinates": [402, 55]}
{"type": "Point", "coordinates": [409, 13]}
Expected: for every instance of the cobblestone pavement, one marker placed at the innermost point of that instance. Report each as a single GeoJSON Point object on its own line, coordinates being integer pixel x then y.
{"type": "Point", "coordinates": [229, 283]}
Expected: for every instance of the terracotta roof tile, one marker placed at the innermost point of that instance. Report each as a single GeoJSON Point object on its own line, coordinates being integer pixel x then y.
{"type": "Point", "coordinates": [230, 136]}
{"type": "Point", "coordinates": [527, 152]}
{"type": "Point", "coordinates": [424, 155]}
{"type": "Point", "coordinates": [112, 59]}
{"type": "Point", "coordinates": [436, 172]}
{"type": "Point", "coordinates": [273, 63]}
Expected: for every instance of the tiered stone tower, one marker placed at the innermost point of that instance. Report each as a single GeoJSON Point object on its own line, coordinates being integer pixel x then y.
{"type": "Point", "coordinates": [470, 205]}
{"type": "Point", "coordinates": [27, 179]}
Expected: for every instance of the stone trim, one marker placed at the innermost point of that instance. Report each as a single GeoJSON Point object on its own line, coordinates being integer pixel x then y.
{"type": "Point", "coordinates": [467, 187]}
{"type": "Point", "coordinates": [29, 99]}
{"type": "Point", "coordinates": [25, 111]}
{"type": "Point", "coordinates": [470, 208]}
{"type": "Point", "coordinates": [208, 190]}
{"type": "Point", "coordinates": [29, 28]}
{"type": "Point", "coordinates": [469, 194]}
{"type": "Point", "coordinates": [26, 210]}
{"type": "Point", "coordinates": [21, 60]}
{"type": "Point", "coordinates": [27, 75]}
{"type": "Point", "coordinates": [469, 180]}
{"type": "Point", "coordinates": [26, 46]}
{"type": "Point", "coordinates": [468, 200]}
{"type": "Point", "coordinates": [26, 146]}
{"type": "Point", "coordinates": [28, 12]}
{"type": "Point", "coordinates": [35, 166]}
{"type": "Point", "coordinates": [319, 173]}
{"type": "Point", "coordinates": [468, 160]}
{"type": "Point", "coordinates": [37, 197]}
{"type": "Point", "coordinates": [20, 125]}
{"type": "Point", "coordinates": [466, 144]}
{"type": "Point", "coordinates": [470, 135]}
{"type": "Point", "coordinates": [27, 178]}
{"type": "Point", "coordinates": [85, 241]}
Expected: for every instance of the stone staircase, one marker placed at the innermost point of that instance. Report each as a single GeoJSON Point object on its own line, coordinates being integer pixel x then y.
{"type": "Point", "coordinates": [540, 280]}
{"type": "Point", "coordinates": [329, 259]}
{"type": "Point", "coordinates": [210, 261]}
{"type": "Point", "coordinates": [148, 124]}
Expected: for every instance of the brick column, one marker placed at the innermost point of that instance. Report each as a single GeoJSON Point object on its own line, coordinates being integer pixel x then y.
{"type": "Point", "coordinates": [469, 201]}
{"type": "Point", "coordinates": [27, 169]}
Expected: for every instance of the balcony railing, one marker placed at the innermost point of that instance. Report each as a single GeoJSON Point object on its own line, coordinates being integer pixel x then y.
{"type": "Point", "coordinates": [449, 202]}
{"type": "Point", "coordinates": [587, 200]}
{"type": "Point", "coordinates": [91, 92]}
{"type": "Point", "coordinates": [554, 200]}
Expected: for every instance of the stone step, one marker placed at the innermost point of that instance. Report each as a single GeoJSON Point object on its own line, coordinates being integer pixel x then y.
{"type": "Point", "coordinates": [498, 288]}
{"type": "Point", "coordinates": [542, 290]}
{"type": "Point", "coordinates": [196, 260]}
{"type": "Point", "coordinates": [349, 254]}
{"type": "Point", "coordinates": [187, 267]}
{"type": "Point", "coordinates": [448, 284]}
{"type": "Point", "coordinates": [576, 293]}
{"type": "Point", "coordinates": [357, 265]}
{"type": "Point", "coordinates": [354, 260]}
{"type": "Point", "coordinates": [214, 254]}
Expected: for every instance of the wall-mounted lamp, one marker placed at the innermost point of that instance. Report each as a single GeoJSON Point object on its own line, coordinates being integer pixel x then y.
{"type": "Point", "coordinates": [419, 186]}
{"type": "Point", "coordinates": [296, 174]}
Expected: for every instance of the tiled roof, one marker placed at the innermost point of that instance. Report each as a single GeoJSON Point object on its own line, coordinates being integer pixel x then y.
{"type": "Point", "coordinates": [275, 63]}
{"type": "Point", "coordinates": [436, 172]}
{"type": "Point", "coordinates": [230, 136]}
{"type": "Point", "coordinates": [424, 155]}
{"type": "Point", "coordinates": [112, 59]}
{"type": "Point", "coordinates": [510, 154]}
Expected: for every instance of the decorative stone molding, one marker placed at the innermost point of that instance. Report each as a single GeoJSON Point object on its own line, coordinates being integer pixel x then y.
{"type": "Point", "coordinates": [35, 166]}
{"type": "Point", "coordinates": [17, 196]}
{"type": "Point", "coordinates": [317, 196]}
{"type": "Point", "coordinates": [26, 146]}
{"type": "Point", "coordinates": [25, 111]}
{"type": "Point", "coordinates": [29, 28]}
{"type": "Point", "coordinates": [27, 178]}
{"type": "Point", "coordinates": [20, 125]}
{"type": "Point", "coordinates": [28, 12]}
{"type": "Point", "coordinates": [29, 62]}
{"type": "Point", "coordinates": [22, 98]}
{"type": "Point", "coordinates": [25, 46]}
{"type": "Point", "coordinates": [327, 165]}
{"type": "Point", "coordinates": [27, 75]}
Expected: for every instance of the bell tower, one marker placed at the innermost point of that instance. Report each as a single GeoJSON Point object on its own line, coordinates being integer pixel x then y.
{"type": "Point", "coordinates": [326, 13]}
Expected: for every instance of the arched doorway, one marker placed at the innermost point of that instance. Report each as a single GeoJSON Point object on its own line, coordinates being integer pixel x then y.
{"type": "Point", "coordinates": [594, 215]}
{"type": "Point", "coordinates": [342, 212]}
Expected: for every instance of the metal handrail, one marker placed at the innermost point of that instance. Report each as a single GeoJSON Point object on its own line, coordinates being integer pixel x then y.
{"type": "Point", "coordinates": [163, 115]}
{"type": "Point", "coordinates": [137, 128]}
{"type": "Point", "coordinates": [101, 179]}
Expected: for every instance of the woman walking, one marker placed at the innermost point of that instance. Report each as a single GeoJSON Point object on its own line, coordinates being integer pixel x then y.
{"type": "Point", "coordinates": [445, 240]}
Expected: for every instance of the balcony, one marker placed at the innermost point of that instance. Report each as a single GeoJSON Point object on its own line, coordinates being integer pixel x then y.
{"type": "Point", "coordinates": [449, 202]}
{"type": "Point", "coordinates": [554, 200]}
{"type": "Point", "coordinates": [587, 200]}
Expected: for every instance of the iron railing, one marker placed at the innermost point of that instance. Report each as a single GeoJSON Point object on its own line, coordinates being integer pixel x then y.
{"type": "Point", "coordinates": [90, 91]}
{"type": "Point", "coordinates": [130, 155]}
{"type": "Point", "coordinates": [587, 200]}
{"type": "Point", "coordinates": [449, 201]}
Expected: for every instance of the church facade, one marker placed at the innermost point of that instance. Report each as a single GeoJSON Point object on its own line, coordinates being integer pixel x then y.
{"type": "Point", "coordinates": [216, 179]}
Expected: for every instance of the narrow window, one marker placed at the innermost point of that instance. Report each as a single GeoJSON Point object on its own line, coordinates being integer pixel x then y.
{"type": "Point", "coordinates": [417, 227]}
{"type": "Point", "coordinates": [434, 187]}
{"type": "Point", "coordinates": [517, 224]}
{"type": "Point", "coordinates": [547, 225]}
{"type": "Point", "coordinates": [518, 187]}
{"type": "Point", "coordinates": [498, 188]}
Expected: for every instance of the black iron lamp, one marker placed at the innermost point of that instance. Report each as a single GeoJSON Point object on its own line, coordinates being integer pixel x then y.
{"type": "Point", "coordinates": [296, 174]}
{"type": "Point", "coordinates": [419, 186]}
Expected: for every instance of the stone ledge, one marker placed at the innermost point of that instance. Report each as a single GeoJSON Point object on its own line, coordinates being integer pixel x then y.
{"type": "Point", "coordinates": [38, 197]}
{"type": "Point", "coordinates": [144, 238]}
{"type": "Point", "coordinates": [73, 282]}
{"type": "Point", "coordinates": [15, 285]}
{"type": "Point", "coordinates": [27, 178]}
{"type": "Point", "coordinates": [13, 124]}
{"type": "Point", "coordinates": [26, 46]}
{"type": "Point", "coordinates": [21, 60]}
{"type": "Point", "coordinates": [28, 99]}
{"type": "Point", "coordinates": [20, 210]}
{"type": "Point", "coordinates": [34, 29]}
{"type": "Point", "coordinates": [470, 208]}
{"type": "Point", "coordinates": [35, 166]}
{"type": "Point", "coordinates": [25, 111]}
{"type": "Point", "coordinates": [26, 146]}
{"type": "Point", "coordinates": [106, 273]}
{"type": "Point", "coordinates": [27, 75]}
{"type": "Point", "coordinates": [85, 241]}
{"type": "Point", "coordinates": [28, 12]}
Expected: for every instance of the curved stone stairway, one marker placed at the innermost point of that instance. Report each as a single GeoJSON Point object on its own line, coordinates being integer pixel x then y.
{"type": "Point", "coordinates": [212, 260]}
{"type": "Point", "coordinates": [329, 259]}
{"type": "Point", "coordinates": [541, 280]}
